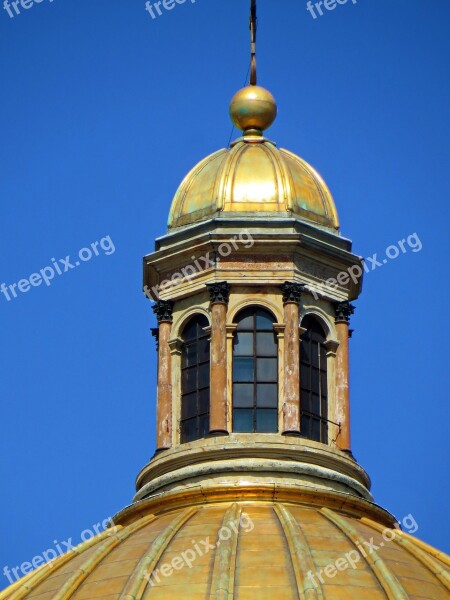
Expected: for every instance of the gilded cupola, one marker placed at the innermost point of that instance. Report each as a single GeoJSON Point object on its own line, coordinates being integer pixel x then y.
{"type": "Point", "coordinates": [254, 176]}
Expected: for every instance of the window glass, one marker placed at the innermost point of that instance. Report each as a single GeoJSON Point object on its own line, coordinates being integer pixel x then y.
{"type": "Point", "coordinates": [243, 344]}
{"type": "Point", "coordinates": [266, 420]}
{"type": "Point", "coordinates": [255, 372]}
{"type": "Point", "coordinates": [195, 380]}
{"type": "Point", "coordinates": [313, 382]}
{"type": "Point", "coordinates": [244, 369]}
{"type": "Point", "coordinates": [266, 369]}
{"type": "Point", "coordinates": [266, 344]}
{"type": "Point", "coordinates": [243, 420]}
{"type": "Point", "coordinates": [243, 395]}
{"type": "Point", "coordinates": [267, 395]}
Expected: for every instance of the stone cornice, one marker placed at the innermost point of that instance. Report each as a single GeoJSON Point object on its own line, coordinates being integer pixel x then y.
{"type": "Point", "coordinates": [335, 467]}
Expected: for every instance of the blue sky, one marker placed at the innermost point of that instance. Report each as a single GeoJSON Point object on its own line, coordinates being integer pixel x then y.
{"type": "Point", "coordinates": [102, 112]}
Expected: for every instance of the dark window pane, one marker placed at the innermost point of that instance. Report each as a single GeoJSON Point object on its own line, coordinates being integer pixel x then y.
{"type": "Point", "coordinates": [243, 420]}
{"type": "Point", "coordinates": [305, 351]}
{"type": "Point", "coordinates": [304, 425]}
{"type": "Point", "coordinates": [305, 376]}
{"type": "Point", "coordinates": [315, 379]}
{"type": "Point", "coordinates": [266, 369]}
{"type": "Point", "coordinates": [315, 404]}
{"type": "Point", "coordinates": [266, 344]}
{"type": "Point", "coordinates": [189, 380]}
{"type": "Point", "coordinates": [323, 357]}
{"type": "Point", "coordinates": [243, 344]}
{"type": "Point", "coordinates": [189, 406]}
{"type": "Point", "coordinates": [315, 434]}
{"type": "Point", "coordinates": [243, 395]}
{"type": "Point", "coordinates": [190, 331]}
{"type": "Point", "coordinates": [267, 421]}
{"type": "Point", "coordinates": [203, 425]}
{"type": "Point", "coordinates": [188, 430]}
{"type": "Point", "coordinates": [324, 385]}
{"type": "Point", "coordinates": [264, 321]}
{"type": "Point", "coordinates": [315, 354]}
{"type": "Point", "coordinates": [243, 369]}
{"type": "Point", "coordinates": [195, 380]}
{"type": "Point", "coordinates": [203, 375]}
{"type": "Point", "coordinates": [305, 398]}
{"type": "Point", "coordinates": [189, 355]}
{"type": "Point", "coordinates": [267, 395]}
{"type": "Point", "coordinates": [203, 401]}
{"type": "Point", "coordinates": [203, 350]}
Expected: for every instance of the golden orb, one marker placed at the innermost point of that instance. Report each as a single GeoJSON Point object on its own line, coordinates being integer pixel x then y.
{"type": "Point", "coordinates": [253, 107]}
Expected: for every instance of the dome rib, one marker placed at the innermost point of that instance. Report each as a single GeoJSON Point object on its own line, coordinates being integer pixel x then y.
{"type": "Point", "coordinates": [135, 587]}
{"type": "Point", "coordinates": [83, 572]}
{"type": "Point", "coordinates": [223, 577]}
{"type": "Point", "coordinates": [301, 555]}
{"type": "Point", "coordinates": [42, 573]}
{"type": "Point", "coordinates": [389, 582]}
{"type": "Point", "coordinates": [428, 561]}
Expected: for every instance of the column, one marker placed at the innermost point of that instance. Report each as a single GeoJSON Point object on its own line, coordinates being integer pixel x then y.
{"type": "Point", "coordinates": [343, 312]}
{"type": "Point", "coordinates": [219, 294]}
{"type": "Point", "coordinates": [292, 293]}
{"type": "Point", "coordinates": [163, 311]}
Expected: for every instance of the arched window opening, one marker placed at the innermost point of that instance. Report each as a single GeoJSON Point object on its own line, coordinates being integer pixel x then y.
{"type": "Point", "coordinates": [195, 380]}
{"type": "Point", "coordinates": [255, 372]}
{"type": "Point", "coordinates": [313, 382]}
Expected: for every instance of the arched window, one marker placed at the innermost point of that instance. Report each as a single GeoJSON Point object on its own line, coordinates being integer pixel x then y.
{"type": "Point", "coordinates": [255, 372]}
{"type": "Point", "coordinates": [195, 380]}
{"type": "Point", "coordinates": [313, 382]}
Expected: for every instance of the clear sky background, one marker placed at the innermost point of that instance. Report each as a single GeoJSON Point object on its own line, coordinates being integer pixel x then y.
{"type": "Point", "coordinates": [102, 112]}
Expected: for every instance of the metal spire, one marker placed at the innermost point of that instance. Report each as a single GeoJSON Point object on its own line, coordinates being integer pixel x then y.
{"type": "Point", "coordinates": [253, 28]}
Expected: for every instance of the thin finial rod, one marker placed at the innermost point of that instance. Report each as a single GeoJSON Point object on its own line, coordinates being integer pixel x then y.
{"type": "Point", "coordinates": [253, 28]}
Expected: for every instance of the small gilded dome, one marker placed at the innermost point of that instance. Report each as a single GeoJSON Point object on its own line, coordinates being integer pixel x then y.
{"type": "Point", "coordinates": [253, 177]}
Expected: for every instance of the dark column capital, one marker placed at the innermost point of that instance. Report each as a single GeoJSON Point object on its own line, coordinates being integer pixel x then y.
{"type": "Point", "coordinates": [292, 292]}
{"type": "Point", "coordinates": [155, 334]}
{"type": "Point", "coordinates": [163, 311]}
{"type": "Point", "coordinates": [219, 292]}
{"type": "Point", "coordinates": [344, 311]}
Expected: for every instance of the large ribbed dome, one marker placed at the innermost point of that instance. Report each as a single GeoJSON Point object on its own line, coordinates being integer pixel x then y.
{"type": "Point", "coordinates": [253, 176]}
{"type": "Point", "coordinates": [247, 550]}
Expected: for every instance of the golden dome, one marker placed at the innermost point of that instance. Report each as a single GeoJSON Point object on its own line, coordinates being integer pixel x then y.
{"type": "Point", "coordinates": [253, 177]}
{"type": "Point", "coordinates": [249, 549]}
